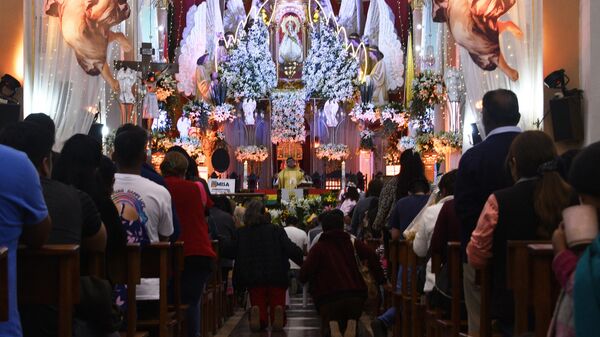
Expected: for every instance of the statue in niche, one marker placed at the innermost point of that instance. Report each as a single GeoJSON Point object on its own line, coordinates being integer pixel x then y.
{"type": "Point", "coordinates": [290, 50]}
{"type": "Point", "coordinates": [330, 110]}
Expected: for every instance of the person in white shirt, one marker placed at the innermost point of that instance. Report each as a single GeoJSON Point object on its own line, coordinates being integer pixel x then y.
{"type": "Point", "coordinates": [427, 225]}
{"type": "Point", "coordinates": [300, 238]}
{"type": "Point", "coordinates": [151, 201]}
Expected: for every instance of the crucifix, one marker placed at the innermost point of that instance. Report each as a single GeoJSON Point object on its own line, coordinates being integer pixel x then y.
{"type": "Point", "coordinates": [146, 65]}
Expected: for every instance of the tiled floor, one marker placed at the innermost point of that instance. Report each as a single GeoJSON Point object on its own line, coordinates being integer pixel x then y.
{"type": "Point", "coordinates": [302, 322]}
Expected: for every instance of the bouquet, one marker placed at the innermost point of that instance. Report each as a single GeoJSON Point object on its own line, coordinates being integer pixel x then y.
{"type": "Point", "coordinates": [198, 112]}
{"type": "Point", "coordinates": [428, 90]}
{"type": "Point", "coordinates": [366, 140]}
{"type": "Point", "coordinates": [364, 112]}
{"type": "Point", "coordinates": [251, 153]}
{"type": "Point", "coordinates": [223, 113]}
{"type": "Point", "coordinates": [332, 152]}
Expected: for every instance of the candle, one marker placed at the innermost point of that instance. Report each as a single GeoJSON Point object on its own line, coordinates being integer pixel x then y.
{"type": "Point", "coordinates": [343, 175]}
{"type": "Point", "coordinates": [245, 185]}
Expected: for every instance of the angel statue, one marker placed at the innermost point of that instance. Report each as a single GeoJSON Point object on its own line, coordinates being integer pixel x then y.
{"type": "Point", "coordinates": [85, 27]}
{"type": "Point", "coordinates": [290, 50]}
{"type": "Point", "coordinates": [330, 110]}
{"type": "Point", "coordinates": [475, 25]}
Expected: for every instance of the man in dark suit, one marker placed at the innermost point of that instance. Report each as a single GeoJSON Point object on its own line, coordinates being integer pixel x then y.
{"type": "Point", "coordinates": [482, 170]}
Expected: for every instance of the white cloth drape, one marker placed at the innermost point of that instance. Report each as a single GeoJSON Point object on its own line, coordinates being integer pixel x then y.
{"type": "Point", "coordinates": [524, 55]}
{"type": "Point", "coordinates": [55, 84]}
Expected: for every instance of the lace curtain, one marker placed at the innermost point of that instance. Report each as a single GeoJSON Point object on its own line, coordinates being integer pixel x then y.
{"type": "Point", "coordinates": [55, 84]}
{"type": "Point", "coordinates": [524, 55]}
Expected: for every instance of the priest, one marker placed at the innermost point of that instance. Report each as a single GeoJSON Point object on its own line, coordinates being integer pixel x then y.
{"type": "Point", "coordinates": [291, 176]}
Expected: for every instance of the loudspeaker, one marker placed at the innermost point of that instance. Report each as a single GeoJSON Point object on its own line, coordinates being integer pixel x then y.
{"type": "Point", "coordinates": [96, 132]}
{"type": "Point", "coordinates": [567, 121]}
{"type": "Point", "coordinates": [9, 113]}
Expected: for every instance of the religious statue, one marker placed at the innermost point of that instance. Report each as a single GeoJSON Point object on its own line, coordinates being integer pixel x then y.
{"type": "Point", "coordinates": [183, 126]}
{"type": "Point", "coordinates": [127, 78]}
{"type": "Point", "coordinates": [249, 106]}
{"type": "Point", "coordinates": [150, 109]}
{"type": "Point", "coordinates": [85, 27]}
{"type": "Point", "coordinates": [377, 76]}
{"type": "Point", "coordinates": [291, 176]}
{"type": "Point", "coordinates": [290, 50]}
{"type": "Point", "coordinates": [330, 110]}
{"type": "Point", "coordinates": [475, 25]}
{"type": "Point", "coordinates": [203, 79]}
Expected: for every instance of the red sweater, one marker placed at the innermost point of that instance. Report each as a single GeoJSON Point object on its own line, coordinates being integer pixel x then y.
{"type": "Point", "coordinates": [331, 267]}
{"type": "Point", "coordinates": [188, 204]}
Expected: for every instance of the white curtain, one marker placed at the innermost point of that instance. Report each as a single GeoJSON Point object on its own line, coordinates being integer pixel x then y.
{"type": "Point", "coordinates": [55, 84]}
{"type": "Point", "coordinates": [524, 55]}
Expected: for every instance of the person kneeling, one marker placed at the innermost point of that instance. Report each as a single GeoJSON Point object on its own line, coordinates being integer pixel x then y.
{"type": "Point", "coordinates": [336, 284]}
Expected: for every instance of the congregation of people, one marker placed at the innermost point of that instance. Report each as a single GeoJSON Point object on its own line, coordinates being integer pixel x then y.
{"type": "Point", "coordinates": [513, 186]}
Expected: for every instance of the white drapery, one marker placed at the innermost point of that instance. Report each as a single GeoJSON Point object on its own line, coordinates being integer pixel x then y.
{"type": "Point", "coordinates": [55, 84]}
{"type": "Point", "coordinates": [524, 55]}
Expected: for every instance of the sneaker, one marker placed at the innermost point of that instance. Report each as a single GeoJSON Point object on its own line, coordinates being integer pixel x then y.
{"type": "Point", "coordinates": [379, 329]}
{"type": "Point", "coordinates": [334, 329]}
{"type": "Point", "coordinates": [350, 329]}
{"type": "Point", "coordinates": [255, 319]}
{"type": "Point", "coordinates": [277, 324]}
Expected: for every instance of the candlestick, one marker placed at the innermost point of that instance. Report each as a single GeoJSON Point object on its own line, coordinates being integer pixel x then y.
{"type": "Point", "coordinates": [245, 185]}
{"type": "Point", "coordinates": [343, 175]}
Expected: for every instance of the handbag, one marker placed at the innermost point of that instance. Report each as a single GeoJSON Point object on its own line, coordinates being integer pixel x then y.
{"type": "Point", "coordinates": [372, 289]}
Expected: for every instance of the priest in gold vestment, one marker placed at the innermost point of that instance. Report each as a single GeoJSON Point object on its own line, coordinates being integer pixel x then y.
{"type": "Point", "coordinates": [291, 176]}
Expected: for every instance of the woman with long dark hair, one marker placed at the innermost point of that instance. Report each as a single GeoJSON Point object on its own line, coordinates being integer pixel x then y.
{"type": "Point", "coordinates": [411, 169]}
{"type": "Point", "coordinates": [529, 210]}
{"type": "Point", "coordinates": [79, 165]}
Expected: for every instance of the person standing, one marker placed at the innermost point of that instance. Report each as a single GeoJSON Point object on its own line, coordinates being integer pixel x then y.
{"type": "Point", "coordinates": [482, 171]}
{"type": "Point", "coordinates": [291, 176]}
{"type": "Point", "coordinates": [300, 239]}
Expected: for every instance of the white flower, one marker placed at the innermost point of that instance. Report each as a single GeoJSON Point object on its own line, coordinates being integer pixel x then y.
{"type": "Point", "coordinates": [287, 116]}
{"type": "Point", "coordinates": [366, 134]}
{"type": "Point", "coordinates": [332, 152]}
{"type": "Point", "coordinates": [223, 113]}
{"type": "Point", "coordinates": [363, 112]}
{"type": "Point", "coordinates": [251, 153]}
{"type": "Point", "coordinates": [406, 143]}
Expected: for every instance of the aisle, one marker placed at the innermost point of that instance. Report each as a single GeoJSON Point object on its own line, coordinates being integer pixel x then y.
{"type": "Point", "coordinates": [302, 322]}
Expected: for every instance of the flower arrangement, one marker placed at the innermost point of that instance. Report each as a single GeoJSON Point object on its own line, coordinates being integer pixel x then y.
{"type": "Point", "coordinates": [287, 116]}
{"type": "Point", "coordinates": [329, 70]}
{"type": "Point", "coordinates": [299, 208]}
{"type": "Point", "coordinates": [406, 143]}
{"type": "Point", "coordinates": [198, 112]}
{"type": "Point", "coordinates": [166, 86]}
{"type": "Point", "coordinates": [249, 70]}
{"type": "Point", "coordinates": [428, 91]}
{"type": "Point", "coordinates": [445, 143]}
{"type": "Point", "coordinates": [424, 143]}
{"type": "Point", "coordinates": [333, 152]}
{"type": "Point", "coordinates": [223, 113]}
{"type": "Point", "coordinates": [392, 157]}
{"type": "Point", "coordinates": [366, 140]}
{"type": "Point", "coordinates": [251, 153]}
{"type": "Point", "coordinates": [364, 112]}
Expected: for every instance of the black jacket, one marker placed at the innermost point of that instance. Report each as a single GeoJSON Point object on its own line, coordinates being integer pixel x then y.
{"type": "Point", "coordinates": [261, 254]}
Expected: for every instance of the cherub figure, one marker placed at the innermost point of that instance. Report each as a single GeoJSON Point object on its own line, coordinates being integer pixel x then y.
{"type": "Point", "coordinates": [85, 26]}
{"type": "Point", "coordinates": [475, 25]}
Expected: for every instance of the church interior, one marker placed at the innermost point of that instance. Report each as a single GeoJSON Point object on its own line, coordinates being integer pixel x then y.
{"type": "Point", "coordinates": [300, 168]}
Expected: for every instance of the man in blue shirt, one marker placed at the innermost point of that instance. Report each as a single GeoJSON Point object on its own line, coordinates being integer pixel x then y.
{"type": "Point", "coordinates": [407, 208]}
{"type": "Point", "coordinates": [23, 214]}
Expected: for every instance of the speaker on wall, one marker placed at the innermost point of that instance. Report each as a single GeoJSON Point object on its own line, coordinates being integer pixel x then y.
{"type": "Point", "coordinates": [567, 120]}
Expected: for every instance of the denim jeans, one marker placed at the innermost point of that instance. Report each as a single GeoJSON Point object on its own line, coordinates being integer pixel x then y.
{"type": "Point", "coordinates": [389, 315]}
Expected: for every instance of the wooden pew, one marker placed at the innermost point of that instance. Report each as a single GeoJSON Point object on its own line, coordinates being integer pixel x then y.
{"type": "Point", "coordinates": [432, 315]}
{"type": "Point", "coordinates": [546, 287]}
{"type": "Point", "coordinates": [50, 276]}
{"type": "Point", "coordinates": [452, 327]}
{"type": "Point", "coordinates": [177, 261]}
{"type": "Point", "coordinates": [417, 307]}
{"type": "Point", "coordinates": [402, 299]}
{"type": "Point", "coordinates": [155, 264]}
{"type": "Point", "coordinates": [485, 315]}
{"type": "Point", "coordinates": [392, 272]}
{"type": "Point", "coordinates": [123, 269]}
{"type": "Point", "coordinates": [3, 284]}
{"type": "Point", "coordinates": [518, 273]}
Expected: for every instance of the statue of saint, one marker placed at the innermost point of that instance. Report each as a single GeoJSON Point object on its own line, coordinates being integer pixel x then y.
{"type": "Point", "coordinates": [203, 79]}
{"type": "Point", "coordinates": [377, 76]}
{"type": "Point", "coordinates": [290, 50]}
